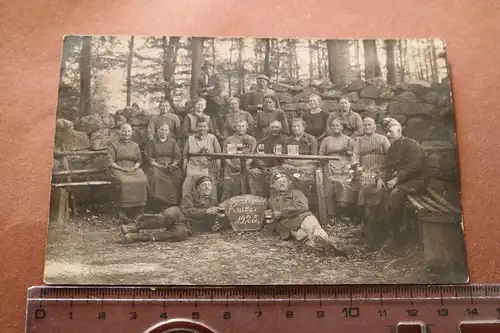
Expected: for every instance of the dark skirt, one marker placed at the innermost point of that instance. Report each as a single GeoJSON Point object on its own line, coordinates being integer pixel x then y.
{"type": "Point", "coordinates": [164, 185]}
{"type": "Point", "coordinates": [133, 187]}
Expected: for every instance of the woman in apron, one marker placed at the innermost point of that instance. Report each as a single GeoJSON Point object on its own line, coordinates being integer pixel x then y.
{"type": "Point", "coordinates": [339, 187]}
{"type": "Point", "coordinates": [197, 166]}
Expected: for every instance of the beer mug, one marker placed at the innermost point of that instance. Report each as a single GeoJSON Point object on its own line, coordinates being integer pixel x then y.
{"type": "Point", "coordinates": [260, 149]}
{"type": "Point", "coordinates": [220, 218]}
{"type": "Point", "coordinates": [292, 149]}
{"type": "Point", "coordinates": [231, 148]}
{"type": "Point", "coordinates": [277, 149]}
{"type": "Point", "coordinates": [268, 216]}
{"type": "Point", "coordinates": [239, 148]}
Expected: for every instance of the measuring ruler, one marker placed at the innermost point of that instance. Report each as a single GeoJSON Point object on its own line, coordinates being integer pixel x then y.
{"type": "Point", "coordinates": [343, 309]}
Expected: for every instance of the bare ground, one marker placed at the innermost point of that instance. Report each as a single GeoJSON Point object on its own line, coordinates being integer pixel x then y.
{"type": "Point", "coordinates": [89, 250]}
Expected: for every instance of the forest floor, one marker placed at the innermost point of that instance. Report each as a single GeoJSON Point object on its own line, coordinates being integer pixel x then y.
{"type": "Point", "coordinates": [89, 249]}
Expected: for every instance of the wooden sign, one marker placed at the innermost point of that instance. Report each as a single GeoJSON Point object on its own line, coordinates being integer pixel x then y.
{"type": "Point", "coordinates": [245, 212]}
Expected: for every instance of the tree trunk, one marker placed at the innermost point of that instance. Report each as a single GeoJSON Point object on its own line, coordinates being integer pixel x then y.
{"type": "Point", "coordinates": [169, 62]}
{"type": "Point", "coordinates": [401, 61]}
{"type": "Point", "coordinates": [68, 43]}
{"type": "Point", "coordinates": [318, 56]}
{"type": "Point", "coordinates": [267, 57]}
{"type": "Point", "coordinates": [196, 63]}
{"type": "Point", "coordinates": [419, 61]}
{"type": "Point", "coordinates": [230, 67]}
{"type": "Point", "coordinates": [296, 62]}
{"type": "Point", "coordinates": [129, 69]}
{"type": "Point", "coordinates": [311, 65]}
{"type": "Point", "coordinates": [85, 74]}
{"type": "Point", "coordinates": [337, 63]}
{"type": "Point", "coordinates": [278, 58]}
{"type": "Point", "coordinates": [324, 60]}
{"type": "Point", "coordinates": [428, 71]}
{"type": "Point", "coordinates": [391, 63]}
{"type": "Point", "coordinates": [371, 59]}
{"type": "Point", "coordinates": [241, 67]}
{"type": "Point", "coordinates": [435, 72]}
{"type": "Point", "coordinates": [257, 51]}
{"type": "Point", "coordinates": [358, 65]}
{"type": "Point", "coordinates": [378, 70]}
{"type": "Point", "coordinates": [213, 51]}
{"type": "Point", "coordinates": [291, 71]}
{"type": "Point", "coordinates": [407, 58]}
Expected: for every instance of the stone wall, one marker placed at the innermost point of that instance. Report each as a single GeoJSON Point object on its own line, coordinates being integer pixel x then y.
{"type": "Point", "coordinates": [423, 108]}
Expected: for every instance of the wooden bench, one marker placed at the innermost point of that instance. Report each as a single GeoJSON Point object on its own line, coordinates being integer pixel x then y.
{"type": "Point", "coordinates": [62, 200]}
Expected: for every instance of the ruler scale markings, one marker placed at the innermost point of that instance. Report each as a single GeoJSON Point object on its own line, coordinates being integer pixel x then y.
{"type": "Point", "coordinates": [478, 295]}
{"type": "Point", "coordinates": [133, 296]}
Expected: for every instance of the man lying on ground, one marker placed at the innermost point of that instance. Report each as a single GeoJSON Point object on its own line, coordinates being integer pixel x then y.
{"type": "Point", "coordinates": [197, 213]}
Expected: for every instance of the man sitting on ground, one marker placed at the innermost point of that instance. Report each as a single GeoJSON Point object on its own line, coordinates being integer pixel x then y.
{"type": "Point", "coordinates": [292, 217]}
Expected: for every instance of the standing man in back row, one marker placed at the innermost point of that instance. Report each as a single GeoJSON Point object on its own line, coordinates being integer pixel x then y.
{"type": "Point", "coordinates": [253, 102]}
{"type": "Point", "coordinates": [210, 88]}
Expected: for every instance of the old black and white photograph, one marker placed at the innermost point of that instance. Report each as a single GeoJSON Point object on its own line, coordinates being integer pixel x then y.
{"type": "Point", "coordinates": [254, 161]}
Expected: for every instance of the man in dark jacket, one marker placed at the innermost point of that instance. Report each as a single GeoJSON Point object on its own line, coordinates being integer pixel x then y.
{"type": "Point", "coordinates": [403, 174]}
{"type": "Point", "coordinates": [293, 219]}
{"type": "Point", "coordinates": [197, 213]}
{"type": "Point", "coordinates": [210, 88]}
{"type": "Point", "coordinates": [259, 175]}
{"type": "Point", "coordinates": [253, 101]}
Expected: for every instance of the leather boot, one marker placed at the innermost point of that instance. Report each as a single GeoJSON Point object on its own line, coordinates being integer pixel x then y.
{"type": "Point", "coordinates": [136, 237]}
{"type": "Point", "coordinates": [129, 228]}
{"type": "Point", "coordinates": [122, 214]}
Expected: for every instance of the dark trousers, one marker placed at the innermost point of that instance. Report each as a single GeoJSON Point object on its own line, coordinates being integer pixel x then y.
{"type": "Point", "coordinates": [175, 231]}
{"type": "Point", "coordinates": [397, 203]}
{"type": "Point", "coordinates": [214, 110]}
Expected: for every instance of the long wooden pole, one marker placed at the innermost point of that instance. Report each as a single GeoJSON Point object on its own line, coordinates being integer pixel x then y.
{"type": "Point", "coordinates": [267, 156]}
{"type": "Point", "coordinates": [77, 172]}
{"type": "Point", "coordinates": [80, 153]}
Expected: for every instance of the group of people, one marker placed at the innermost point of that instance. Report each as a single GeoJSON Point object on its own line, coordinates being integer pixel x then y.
{"type": "Point", "coordinates": [367, 172]}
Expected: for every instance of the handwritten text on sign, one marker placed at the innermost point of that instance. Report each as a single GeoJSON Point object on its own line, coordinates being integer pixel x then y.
{"type": "Point", "coordinates": [246, 212]}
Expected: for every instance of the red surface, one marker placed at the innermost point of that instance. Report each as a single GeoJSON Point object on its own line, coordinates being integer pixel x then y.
{"type": "Point", "coordinates": [30, 48]}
